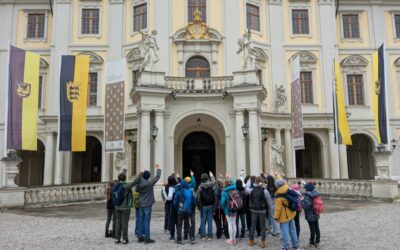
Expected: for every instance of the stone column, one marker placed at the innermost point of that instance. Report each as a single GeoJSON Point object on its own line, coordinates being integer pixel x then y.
{"type": "Point", "coordinates": [159, 143]}
{"type": "Point", "coordinates": [288, 154]}
{"type": "Point", "coordinates": [240, 143]}
{"type": "Point", "coordinates": [344, 170]}
{"type": "Point", "coordinates": [67, 167]}
{"type": "Point", "coordinates": [145, 141]}
{"type": "Point", "coordinates": [255, 143]}
{"type": "Point", "coordinates": [58, 172]}
{"type": "Point", "coordinates": [49, 160]}
{"type": "Point", "coordinates": [106, 166]}
{"type": "Point", "coordinates": [334, 170]}
{"type": "Point", "coordinates": [278, 138]}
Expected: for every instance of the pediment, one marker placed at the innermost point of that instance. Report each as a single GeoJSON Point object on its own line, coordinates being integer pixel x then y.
{"type": "Point", "coordinates": [93, 57]}
{"type": "Point", "coordinates": [306, 57]}
{"type": "Point", "coordinates": [352, 61]}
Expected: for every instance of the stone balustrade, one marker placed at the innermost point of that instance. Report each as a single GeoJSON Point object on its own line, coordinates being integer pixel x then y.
{"type": "Point", "coordinates": [199, 85]}
{"type": "Point", "coordinates": [347, 189]}
{"type": "Point", "coordinates": [42, 196]}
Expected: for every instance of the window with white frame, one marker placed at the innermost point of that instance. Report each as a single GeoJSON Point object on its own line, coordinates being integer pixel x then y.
{"type": "Point", "coordinates": [300, 22]}
{"type": "Point", "coordinates": [201, 5]}
{"type": "Point", "coordinates": [397, 25]}
{"type": "Point", "coordinates": [90, 21]}
{"type": "Point", "coordinates": [140, 17]}
{"type": "Point", "coordinates": [36, 26]}
{"type": "Point", "coordinates": [92, 89]}
{"type": "Point", "coordinates": [351, 26]}
{"type": "Point", "coordinates": [355, 89]}
{"type": "Point", "coordinates": [135, 77]}
{"type": "Point", "coordinates": [253, 17]}
{"type": "Point", "coordinates": [306, 87]}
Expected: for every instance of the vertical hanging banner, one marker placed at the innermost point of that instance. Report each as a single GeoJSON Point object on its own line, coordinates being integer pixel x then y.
{"type": "Point", "coordinates": [114, 116]}
{"type": "Point", "coordinates": [74, 80]}
{"type": "Point", "coordinates": [297, 115]}
{"type": "Point", "coordinates": [23, 97]}
{"type": "Point", "coordinates": [380, 96]}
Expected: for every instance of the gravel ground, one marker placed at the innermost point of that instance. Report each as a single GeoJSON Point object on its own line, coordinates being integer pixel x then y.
{"type": "Point", "coordinates": [370, 227]}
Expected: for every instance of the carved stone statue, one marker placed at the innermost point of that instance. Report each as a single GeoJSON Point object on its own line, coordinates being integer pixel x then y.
{"type": "Point", "coordinates": [249, 54]}
{"type": "Point", "coordinates": [281, 98]}
{"type": "Point", "coordinates": [120, 163]}
{"type": "Point", "coordinates": [149, 50]}
{"type": "Point", "coordinates": [276, 156]}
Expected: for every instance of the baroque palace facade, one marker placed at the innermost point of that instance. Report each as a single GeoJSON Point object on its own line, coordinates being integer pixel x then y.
{"type": "Point", "coordinates": [199, 95]}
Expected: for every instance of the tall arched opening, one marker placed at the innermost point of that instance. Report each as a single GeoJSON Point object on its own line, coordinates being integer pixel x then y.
{"type": "Point", "coordinates": [359, 158]}
{"type": "Point", "coordinates": [309, 160]}
{"type": "Point", "coordinates": [31, 169]}
{"type": "Point", "coordinates": [86, 166]}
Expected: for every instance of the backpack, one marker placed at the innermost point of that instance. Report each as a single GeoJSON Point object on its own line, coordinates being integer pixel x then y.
{"type": "Point", "coordinates": [292, 197]}
{"type": "Point", "coordinates": [207, 196]}
{"type": "Point", "coordinates": [318, 205]}
{"type": "Point", "coordinates": [118, 194]}
{"type": "Point", "coordinates": [257, 199]}
{"type": "Point", "coordinates": [234, 201]}
{"type": "Point", "coordinates": [185, 203]}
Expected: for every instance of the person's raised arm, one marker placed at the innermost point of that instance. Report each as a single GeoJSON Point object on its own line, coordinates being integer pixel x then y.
{"type": "Point", "coordinates": [136, 180]}
{"type": "Point", "coordinates": [248, 186]}
{"type": "Point", "coordinates": [158, 175]}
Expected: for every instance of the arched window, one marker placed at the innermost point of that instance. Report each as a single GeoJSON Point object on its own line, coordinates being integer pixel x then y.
{"type": "Point", "coordinates": [199, 4]}
{"type": "Point", "coordinates": [197, 66]}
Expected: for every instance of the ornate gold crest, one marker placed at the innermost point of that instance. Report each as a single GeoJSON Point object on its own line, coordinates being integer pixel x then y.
{"type": "Point", "coordinates": [197, 29]}
{"type": "Point", "coordinates": [73, 89]}
{"type": "Point", "coordinates": [24, 89]}
{"type": "Point", "coordinates": [377, 87]}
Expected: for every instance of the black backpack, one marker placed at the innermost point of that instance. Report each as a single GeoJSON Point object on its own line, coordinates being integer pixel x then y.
{"type": "Point", "coordinates": [292, 197]}
{"type": "Point", "coordinates": [207, 196]}
{"type": "Point", "coordinates": [118, 194]}
{"type": "Point", "coordinates": [257, 199]}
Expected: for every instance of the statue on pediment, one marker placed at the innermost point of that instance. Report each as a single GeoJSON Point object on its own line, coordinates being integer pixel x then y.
{"type": "Point", "coordinates": [149, 50]}
{"type": "Point", "coordinates": [250, 53]}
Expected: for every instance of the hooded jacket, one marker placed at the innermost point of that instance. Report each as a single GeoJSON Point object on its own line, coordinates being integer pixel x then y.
{"type": "Point", "coordinates": [180, 194]}
{"type": "Point", "coordinates": [146, 190]}
{"type": "Point", "coordinates": [282, 211]}
{"type": "Point", "coordinates": [307, 204]}
{"type": "Point", "coordinates": [225, 198]}
{"type": "Point", "coordinates": [267, 197]}
{"type": "Point", "coordinates": [209, 183]}
{"type": "Point", "coordinates": [128, 201]}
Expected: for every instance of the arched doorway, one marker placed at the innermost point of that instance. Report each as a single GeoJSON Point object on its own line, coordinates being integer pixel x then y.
{"type": "Point", "coordinates": [198, 153]}
{"type": "Point", "coordinates": [308, 160]}
{"type": "Point", "coordinates": [31, 169]}
{"type": "Point", "coordinates": [197, 67]}
{"type": "Point", "coordinates": [359, 158]}
{"type": "Point", "coordinates": [87, 165]}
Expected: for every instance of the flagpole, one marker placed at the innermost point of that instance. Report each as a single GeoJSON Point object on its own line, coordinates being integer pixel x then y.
{"type": "Point", "coordinates": [6, 104]}
{"type": "Point", "coordinates": [57, 170]}
{"type": "Point", "coordinates": [335, 118]}
{"type": "Point", "coordinates": [386, 95]}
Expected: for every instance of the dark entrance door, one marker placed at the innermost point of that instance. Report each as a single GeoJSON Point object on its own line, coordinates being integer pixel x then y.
{"type": "Point", "coordinates": [359, 158]}
{"type": "Point", "coordinates": [198, 153]}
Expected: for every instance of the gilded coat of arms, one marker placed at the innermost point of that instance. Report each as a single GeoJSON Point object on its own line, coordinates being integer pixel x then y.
{"type": "Point", "coordinates": [73, 89]}
{"type": "Point", "coordinates": [24, 89]}
{"type": "Point", "coordinates": [197, 29]}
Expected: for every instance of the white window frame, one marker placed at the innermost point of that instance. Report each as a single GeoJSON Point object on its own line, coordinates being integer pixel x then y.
{"type": "Point", "coordinates": [132, 16]}
{"type": "Point", "coordinates": [300, 7]}
{"type": "Point", "coordinates": [393, 13]}
{"type": "Point", "coordinates": [207, 10]}
{"type": "Point", "coordinates": [26, 14]}
{"type": "Point", "coordinates": [360, 30]}
{"type": "Point", "coordinates": [90, 6]}
{"type": "Point", "coordinates": [98, 72]}
{"type": "Point", "coordinates": [260, 8]}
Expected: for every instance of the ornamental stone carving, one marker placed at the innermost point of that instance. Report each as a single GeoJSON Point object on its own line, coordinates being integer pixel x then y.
{"type": "Point", "coordinates": [149, 51]}
{"type": "Point", "coordinates": [352, 61]}
{"type": "Point", "coordinates": [252, 56]}
{"type": "Point", "coordinates": [281, 98]}
{"type": "Point", "coordinates": [276, 156]}
{"type": "Point", "coordinates": [197, 29]}
{"type": "Point", "coordinates": [93, 57]}
{"type": "Point", "coordinates": [120, 163]}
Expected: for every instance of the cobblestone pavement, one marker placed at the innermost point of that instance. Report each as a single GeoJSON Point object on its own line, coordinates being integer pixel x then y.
{"type": "Point", "coordinates": [345, 225]}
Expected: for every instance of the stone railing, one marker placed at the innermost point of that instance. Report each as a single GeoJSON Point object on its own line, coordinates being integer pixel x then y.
{"type": "Point", "coordinates": [42, 196]}
{"type": "Point", "coordinates": [199, 85]}
{"type": "Point", "coordinates": [350, 189]}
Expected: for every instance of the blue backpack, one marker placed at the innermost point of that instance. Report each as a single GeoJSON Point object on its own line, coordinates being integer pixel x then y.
{"type": "Point", "coordinates": [292, 197]}
{"type": "Point", "coordinates": [185, 203]}
{"type": "Point", "coordinates": [118, 194]}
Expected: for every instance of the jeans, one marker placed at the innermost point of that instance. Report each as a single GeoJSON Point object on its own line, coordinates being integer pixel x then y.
{"type": "Point", "coordinates": [206, 217]}
{"type": "Point", "coordinates": [173, 217]}
{"type": "Point", "coordinates": [271, 220]}
{"type": "Point", "coordinates": [220, 223]}
{"type": "Point", "coordinates": [288, 230]}
{"type": "Point", "coordinates": [255, 219]}
{"type": "Point", "coordinates": [240, 216]}
{"type": "Point", "coordinates": [122, 224]}
{"type": "Point", "coordinates": [248, 223]}
{"type": "Point", "coordinates": [167, 206]}
{"type": "Point", "coordinates": [183, 219]}
{"type": "Point", "coordinates": [192, 225]}
{"type": "Point", "coordinates": [111, 215]}
{"type": "Point", "coordinates": [314, 232]}
{"type": "Point", "coordinates": [137, 222]}
{"type": "Point", "coordinates": [144, 222]}
{"type": "Point", "coordinates": [297, 223]}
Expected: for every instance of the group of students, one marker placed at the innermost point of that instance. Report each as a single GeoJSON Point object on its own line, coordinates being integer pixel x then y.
{"type": "Point", "coordinates": [255, 203]}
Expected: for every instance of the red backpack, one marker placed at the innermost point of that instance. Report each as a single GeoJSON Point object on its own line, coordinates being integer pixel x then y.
{"type": "Point", "coordinates": [318, 205]}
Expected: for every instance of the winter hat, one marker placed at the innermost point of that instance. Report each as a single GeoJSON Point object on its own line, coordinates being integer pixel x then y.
{"type": "Point", "coordinates": [309, 187]}
{"type": "Point", "coordinates": [279, 183]}
{"type": "Point", "coordinates": [188, 179]}
{"type": "Point", "coordinates": [295, 187]}
{"type": "Point", "coordinates": [204, 176]}
{"type": "Point", "coordinates": [172, 180]}
{"type": "Point", "coordinates": [146, 174]}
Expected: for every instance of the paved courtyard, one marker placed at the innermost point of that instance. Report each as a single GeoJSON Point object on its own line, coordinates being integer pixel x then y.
{"type": "Point", "coordinates": [345, 225]}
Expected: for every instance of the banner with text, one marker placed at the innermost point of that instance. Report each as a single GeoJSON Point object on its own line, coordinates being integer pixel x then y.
{"type": "Point", "coordinates": [297, 116]}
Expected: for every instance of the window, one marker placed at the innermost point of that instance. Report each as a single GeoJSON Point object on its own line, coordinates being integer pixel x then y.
{"type": "Point", "coordinates": [355, 87]}
{"type": "Point", "coordinates": [135, 77]}
{"type": "Point", "coordinates": [140, 17]}
{"type": "Point", "coordinates": [36, 23]}
{"type": "Point", "coordinates": [92, 98]}
{"type": "Point", "coordinates": [351, 27]}
{"type": "Point", "coordinates": [306, 87]}
{"type": "Point", "coordinates": [90, 21]}
{"type": "Point", "coordinates": [197, 67]}
{"type": "Point", "coordinates": [300, 25]}
{"type": "Point", "coordinates": [40, 101]}
{"type": "Point", "coordinates": [397, 25]}
{"type": "Point", "coordinates": [253, 17]}
{"type": "Point", "coordinates": [197, 4]}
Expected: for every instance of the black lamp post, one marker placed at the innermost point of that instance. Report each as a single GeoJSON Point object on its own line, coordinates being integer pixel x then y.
{"type": "Point", "coordinates": [130, 137]}
{"type": "Point", "coordinates": [264, 135]}
{"type": "Point", "coordinates": [245, 130]}
{"type": "Point", "coordinates": [154, 132]}
{"type": "Point", "coordinates": [394, 144]}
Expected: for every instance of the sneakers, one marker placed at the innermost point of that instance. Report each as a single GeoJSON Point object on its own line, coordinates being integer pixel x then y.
{"type": "Point", "coordinates": [171, 238]}
{"type": "Point", "coordinates": [179, 242]}
{"type": "Point", "coordinates": [317, 245]}
{"type": "Point", "coordinates": [209, 238]}
{"type": "Point", "coordinates": [117, 241]}
{"type": "Point", "coordinates": [149, 241]}
{"type": "Point", "coordinates": [192, 240]}
{"type": "Point", "coordinates": [125, 242]}
{"type": "Point", "coordinates": [230, 242]}
{"type": "Point", "coordinates": [275, 234]}
{"type": "Point", "coordinates": [141, 239]}
{"type": "Point", "coordinates": [203, 238]}
{"type": "Point", "coordinates": [234, 242]}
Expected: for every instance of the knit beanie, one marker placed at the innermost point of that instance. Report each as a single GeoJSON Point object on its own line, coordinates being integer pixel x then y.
{"type": "Point", "coordinates": [309, 187]}
{"type": "Point", "coordinates": [295, 187]}
{"type": "Point", "coordinates": [279, 183]}
{"type": "Point", "coordinates": [204, 176]}
{"type": "Point", "coordinates": [146, 174]}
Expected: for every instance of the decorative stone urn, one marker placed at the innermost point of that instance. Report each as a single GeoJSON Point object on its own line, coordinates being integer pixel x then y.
{"type": "Point", "coordinates": [382, 163]}
{"type": "Point", "coordinates": [11, 170]}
